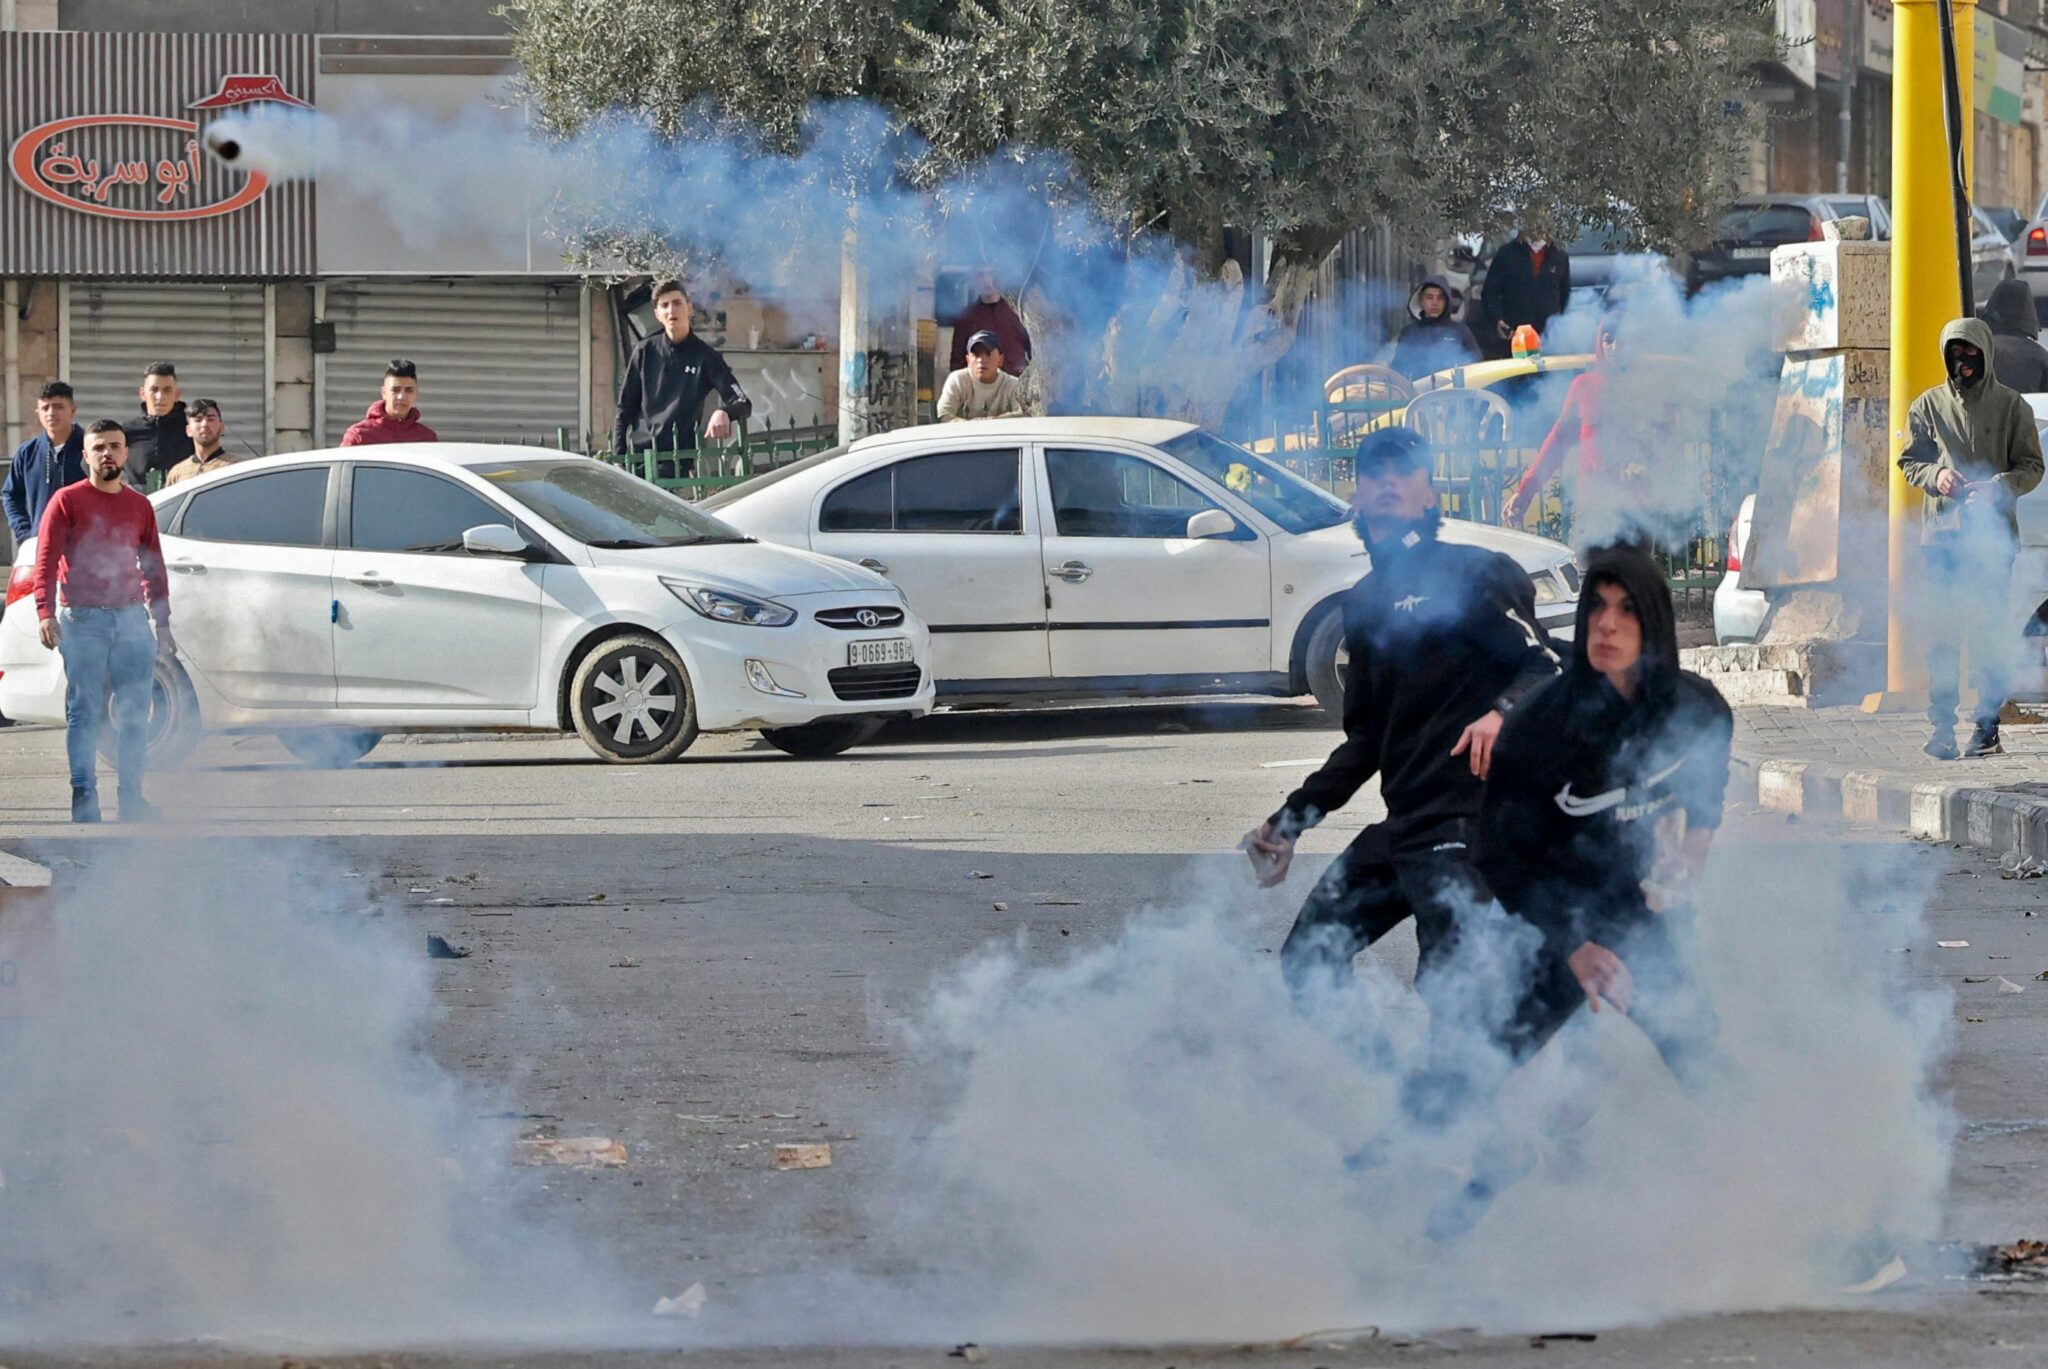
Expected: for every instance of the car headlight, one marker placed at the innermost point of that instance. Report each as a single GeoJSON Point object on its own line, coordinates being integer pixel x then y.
{"type": "Point", "coordinates": [1548, 591]}
{"type": "Point", "coordinates": [730, 606]}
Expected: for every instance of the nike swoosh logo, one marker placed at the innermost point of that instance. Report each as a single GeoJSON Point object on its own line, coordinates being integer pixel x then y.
{"type": "Point", "coordinates": [1576, 807]}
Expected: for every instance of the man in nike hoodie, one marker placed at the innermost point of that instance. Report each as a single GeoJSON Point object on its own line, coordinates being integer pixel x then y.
{"type": "Point", "coordinates": [1444, 643]}
{"type": "Point", "coordinates": [1606, 792]}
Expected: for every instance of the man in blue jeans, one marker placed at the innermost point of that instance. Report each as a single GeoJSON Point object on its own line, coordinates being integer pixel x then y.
{"type": "Point", "coordinates": [100, 582]}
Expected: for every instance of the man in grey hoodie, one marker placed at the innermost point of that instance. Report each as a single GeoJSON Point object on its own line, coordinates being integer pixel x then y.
{"type": "Point", "coordinates": [1973, 450]}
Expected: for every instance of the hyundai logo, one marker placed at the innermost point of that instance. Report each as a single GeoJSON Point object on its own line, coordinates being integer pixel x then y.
{"type": "Point", "coordinates": [867, 617]}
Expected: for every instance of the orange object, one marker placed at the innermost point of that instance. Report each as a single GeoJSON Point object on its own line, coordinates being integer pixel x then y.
{"type": "Point", "coordinates": [1527, 342]}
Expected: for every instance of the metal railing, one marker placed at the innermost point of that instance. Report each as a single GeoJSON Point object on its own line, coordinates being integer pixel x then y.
{"type": "Point", "coordinates": [696, 472]}
{"type": "Point", "coordinates": [1474, 480]}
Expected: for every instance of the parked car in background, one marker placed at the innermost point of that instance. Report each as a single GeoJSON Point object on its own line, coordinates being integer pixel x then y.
{"type": "Point", "coordinates": [331, 597]}
{"type": "Point", "coordinates": [1871, 207]}
{"type": "Point", "coordinates": [1991, 259]}
{"type": "Point", "coordinates": [2006, 219]}
{"type": "Point", "coordinates": [1604, 256]}
{"type": "Point", "coordinates": [2030, 257]}
{"type": "Point", "coordinates": [1747, 231]}
{"type": "Point", "coordinates": [1738, 613]}
{"type": "Point", "coordinates": [1093, 557]}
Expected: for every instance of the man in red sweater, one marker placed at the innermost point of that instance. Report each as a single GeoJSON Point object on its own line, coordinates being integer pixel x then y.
{"type": "Point", "coordinates": [991, 313]}
{"type": "Point", "coordinates": [395, 417]}
{"type": "Point", "coordinates": [99, 583]}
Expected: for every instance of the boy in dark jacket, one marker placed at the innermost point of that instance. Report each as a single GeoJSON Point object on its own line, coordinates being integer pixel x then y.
{"type": "Point", "coordinates": [1434, 341]}
{"type": "Point", "coordinates": [1444, 643]}
{"type": "Point", "coordinates": [45, 464]}
{"type": "Point", "coordinates": [2021, 362]}
{"type": "Point", "coordinates": [667, 379]}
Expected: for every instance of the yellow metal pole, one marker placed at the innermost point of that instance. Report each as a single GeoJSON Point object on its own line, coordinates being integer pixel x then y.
{"type": "Point", "coordinates": [1924, 275]}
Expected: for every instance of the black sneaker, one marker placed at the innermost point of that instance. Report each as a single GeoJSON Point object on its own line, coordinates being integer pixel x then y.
{"type": "Point", "coordinates": [135, 808]}
{"type": "Point", "coordinates": [1942, 745]}
{"type": "Point", "coordinates": [1984, 742]}
{"type": "Point", "coordinates": [85, 805]}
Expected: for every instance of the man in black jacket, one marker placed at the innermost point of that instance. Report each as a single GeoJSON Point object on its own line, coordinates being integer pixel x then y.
{"type": "Point", "coordinates": [667, 380]}
{"type": "Point", "coordinates": [1444, 643]}
{"type": "Point", "coordinates": [1528, 281]}
{"type": "Point", "coordinates": [157, 439]}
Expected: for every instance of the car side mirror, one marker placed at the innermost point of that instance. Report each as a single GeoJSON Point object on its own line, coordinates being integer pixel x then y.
{"type": "Point", "coordinates": [495, 539]}
{"type": "Point", "coordinates": [1211, 523]}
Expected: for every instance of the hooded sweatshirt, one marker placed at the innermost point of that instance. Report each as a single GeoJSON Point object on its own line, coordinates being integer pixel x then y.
{"type": "Point", "coordinates": [2022, 362]}
{"type": "Point", "coordinates": [1583, 779]}
{"type": "Point", "coordinates": [379, 427]}
{"type": "Point", "coordinates": [1440, 634]}
{"type": "Point", "coordinates": [1427, 345]}
{"type": "Point", "coordinates": [1984, 432]}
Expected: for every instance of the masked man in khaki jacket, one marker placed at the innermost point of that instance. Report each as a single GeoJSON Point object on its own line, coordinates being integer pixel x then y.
{"type": "Point", "coordinates": [1973, 449]}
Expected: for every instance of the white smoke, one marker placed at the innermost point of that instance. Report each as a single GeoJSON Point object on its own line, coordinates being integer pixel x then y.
{"type": "Point", "coordinates": [1148, 1140]}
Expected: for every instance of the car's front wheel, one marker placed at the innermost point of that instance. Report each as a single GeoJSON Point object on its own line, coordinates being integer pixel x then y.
{"type": "Point", "coordinates": [826, 737]}
{"type": "Point", "coordinates": [631, 702]}
{"type": "Point", "coordinates": [1327, 660]}
{"type": "Point", "coordinates": [329, 748]}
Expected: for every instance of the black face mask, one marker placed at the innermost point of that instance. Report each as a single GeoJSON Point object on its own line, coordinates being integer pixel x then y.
{"type": "Point", "coordinates": [1960, 355]}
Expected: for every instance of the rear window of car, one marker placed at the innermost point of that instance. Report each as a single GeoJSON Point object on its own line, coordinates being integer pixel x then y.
{"type": "Point", "coordinates": [975, 491]}
{"type": "Point", "coordinates": [1773, 223]}
{"type": "Point", "coordinates": [279, 508]}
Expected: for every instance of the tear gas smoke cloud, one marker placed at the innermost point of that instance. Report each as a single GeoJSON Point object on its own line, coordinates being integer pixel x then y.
{"type": "Point", "coordinates": [221, 1122]}
{"type": "Point", "coordinates": [1148, 1140]}
{"type": "Point", "coordinates": [779, 223]}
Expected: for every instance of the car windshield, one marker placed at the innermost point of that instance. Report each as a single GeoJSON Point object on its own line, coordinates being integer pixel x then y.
{"type": "Point", "coordinates": [603, 506]}
{"type": "Point", "coordinates": [1270, 488]}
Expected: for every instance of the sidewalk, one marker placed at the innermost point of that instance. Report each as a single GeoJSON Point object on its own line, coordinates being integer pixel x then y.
{"type": "Point", "coordinates": [1841, 762]}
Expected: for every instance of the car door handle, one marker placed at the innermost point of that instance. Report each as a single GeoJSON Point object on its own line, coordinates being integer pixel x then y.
{"type": "Point", "coordinates": [872, 564]}
{"type": "Point", "coordinates": [1073, 572]}
{"type": "Point", "coordinates": [370, 579]}
{"type": "Point", "coordinates": [188, 568]}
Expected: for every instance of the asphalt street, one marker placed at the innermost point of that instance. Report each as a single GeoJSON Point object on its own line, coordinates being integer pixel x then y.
{"type": "Point", "coordinates": [706, 959]}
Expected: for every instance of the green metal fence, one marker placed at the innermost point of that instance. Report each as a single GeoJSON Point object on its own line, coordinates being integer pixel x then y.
{"type": "Point", "coordinates": [695, 473]}
{"type": "Point", "coordinates": [1474, 481]}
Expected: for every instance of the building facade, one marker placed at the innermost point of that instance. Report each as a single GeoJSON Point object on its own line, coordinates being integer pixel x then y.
{"type": "Point", "coordinates": [123, 242]}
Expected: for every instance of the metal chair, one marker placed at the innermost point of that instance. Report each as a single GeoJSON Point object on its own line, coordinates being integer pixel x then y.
{"type": "Point", "coordinates": [1356, 395]}
{"type": "Point", "coordinates": [1465, 426]}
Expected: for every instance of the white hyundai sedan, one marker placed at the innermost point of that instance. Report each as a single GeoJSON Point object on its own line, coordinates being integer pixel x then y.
{"type": "Point", "coordinates": [331, 597]}
{"type": "Point", "coordinates": [1092, 557]}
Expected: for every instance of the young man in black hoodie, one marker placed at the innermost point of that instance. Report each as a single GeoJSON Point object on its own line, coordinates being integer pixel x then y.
{"type": "Point", "coordinates": [667, 380]}
{"type": "Point", "coordinates": [1605, 794]}
{"type": "Point", "coordinates": [1444, 643]}
{"type": "Point", "coordinates": [1434, 341]}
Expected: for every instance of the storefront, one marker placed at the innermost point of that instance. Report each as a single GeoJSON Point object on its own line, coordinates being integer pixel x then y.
{"type": "Point", "coordinates": [122, 242]}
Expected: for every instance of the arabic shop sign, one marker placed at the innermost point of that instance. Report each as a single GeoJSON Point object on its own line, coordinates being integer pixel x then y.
{"type": "Point", "coordinates": [141, 166]}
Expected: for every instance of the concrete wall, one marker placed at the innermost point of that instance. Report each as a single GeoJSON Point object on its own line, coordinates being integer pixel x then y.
{"type": "Point", "coordinates": [38, 357]}
{"type": "Point", "coordinates": [271, 16]}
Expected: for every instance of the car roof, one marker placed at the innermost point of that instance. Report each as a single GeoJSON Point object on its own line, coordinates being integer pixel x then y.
{"type": "Point", "coordinates": [1759, 199]}
{"type": "Point", "coordinates": [1153, 430]}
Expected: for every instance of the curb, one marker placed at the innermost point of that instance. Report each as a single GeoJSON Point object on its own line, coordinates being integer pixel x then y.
{"type": "Point", "coordinates": [1999, 821]}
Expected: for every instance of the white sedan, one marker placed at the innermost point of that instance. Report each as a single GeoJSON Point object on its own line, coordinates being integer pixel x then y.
{"type": "Point", "coordinates": [331, 597]}
{"type": "Point", "coordinates": [1090, 557]}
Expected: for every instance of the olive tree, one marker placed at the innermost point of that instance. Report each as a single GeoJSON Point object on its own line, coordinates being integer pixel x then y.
{"type": "Point", "coordinates": [1298, 120]}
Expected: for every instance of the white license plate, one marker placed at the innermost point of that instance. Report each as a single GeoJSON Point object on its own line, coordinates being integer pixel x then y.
{"type": "Point", "coordinates": [1750, 253]}
{"type": "Point", "coordinates": [886, 652]}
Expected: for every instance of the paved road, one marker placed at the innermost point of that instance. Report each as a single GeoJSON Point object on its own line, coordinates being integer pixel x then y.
{"type": "Point", "coordinates": [704, 959]}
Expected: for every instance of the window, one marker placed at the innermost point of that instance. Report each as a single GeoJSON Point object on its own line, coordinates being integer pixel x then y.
{"type": "Point", "coordinates": [398, 510]}
{"type": "Point", "coordinates": [602, 506]}
{"type": "Point", "coordinates": [1108, 494]}
{"type": "Point", "coordinates": [281, 508]}
{"type": "Point", "coordinates": [951, 492]}
{"type": "Point", "coordinates": [1270, 488]}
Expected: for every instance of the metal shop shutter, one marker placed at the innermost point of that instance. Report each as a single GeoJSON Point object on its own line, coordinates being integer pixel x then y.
{"type": "Point", "coordinates": [498, 359]}
{"type": "Point", "coordinates": [213, 334]}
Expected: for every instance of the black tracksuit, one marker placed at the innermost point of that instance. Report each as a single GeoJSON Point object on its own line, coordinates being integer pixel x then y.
{"type": "Point", "coordinates": [1585, 787]}
{"type": "Point", "coordinates": [156, 444]}
{"type": "Point", "coordinates": [1440, 633]}
{"type": "Point", "coordinates": [664, 386]}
